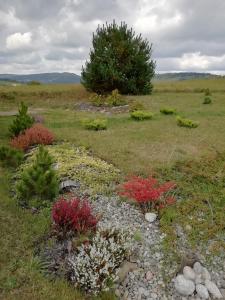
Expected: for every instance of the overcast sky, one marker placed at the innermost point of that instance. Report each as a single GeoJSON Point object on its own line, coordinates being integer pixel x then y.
{"type": "Point", "coordinates": [55, 35]}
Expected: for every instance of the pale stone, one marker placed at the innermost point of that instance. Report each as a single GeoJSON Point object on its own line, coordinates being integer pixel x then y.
{"type": "Point", "coordinates": [184, 286]}
{"type": "Point", "coordinates": [213, 289]}
{"type": "Point", "coordinates": [189, 273]}
{"type": "Point", "coordinates": [202, 291]}
{"type": "Point", "coordinates": [150, 217]}
{"type": "Point", "coordinates": [197, 267]}
{"type": "Point", "coordinates": [149, 275]}
{"type": "Point", "coordinates": [205, 274]}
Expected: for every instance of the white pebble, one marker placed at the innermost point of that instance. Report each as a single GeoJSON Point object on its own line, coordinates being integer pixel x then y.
{"type": "Point", "coordinates": [202, 291]}
{"type": "Point", "coordinates": [213, 289]}
{"type": "Point", "coordinates": [197, 267]}
{"type": "Point", "coordinates": [184, 286]}
{"type": "Point", "coordinates": [189, 273]}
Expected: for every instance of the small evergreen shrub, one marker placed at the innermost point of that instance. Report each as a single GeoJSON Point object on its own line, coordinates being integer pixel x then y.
{"type": "Point", "coordinates": [186, 123]}
{"type": "Point", "coordinates": [36, 135]}
{"type": "Point", "coordinates": [168, 111]}
{"type": "Point", "coordinates": [95, 124]}
{"type": "Point", "coordinates": [136, 105]}
{"type": "Point", "coordinates": [97, 100]}
{"type": "Point", "coordinates": [207, 100]}
{"type": "Point", "coordinates": [140, 115]}
{"type": "Point", "coordinates": [38, 183]}
{"type": "Point", "coordinates": [148, 193]}
{"type": "Point", "coordinates": [10, 157]}
{"type": "Point", "coordinates": [22, 121]}
{"type": "Point", "coordinates": [95, 265]}
{"type": "Point", "coordinates": [73, 217]}
{"type": "Point", "coordinates": [207, 92]}
{"type": "Point", "coordinates": [115, 99]}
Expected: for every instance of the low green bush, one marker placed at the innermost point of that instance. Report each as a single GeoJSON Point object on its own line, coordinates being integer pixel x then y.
{"type": "Point", "coordinates": [95, 124]}
{"type": "Point", "coordinates": [140, 115]}
{"type": "Point", "coordinates": [136, 105]}
{"type": "Point", "coordinates": [115, 99]}
{"type": "Point", "coordinates": [207, 100]}
{"type": "Point", "coordinates": [97, 100]}
{"type": "Point", "coordinates": [186, 122]}
{"type": "Point", "coordinates": [207, 92]}
{"type": "Point", "coordinates": [168, 111]}
{"type": "Point", "coordinates": [10, 157]}
{"type": "Point", "coordinates": [38, 183]}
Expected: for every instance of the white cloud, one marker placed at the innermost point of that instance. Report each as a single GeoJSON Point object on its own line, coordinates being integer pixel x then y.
{"type": "Point", "coordinates": [194, 61]}
{"type": "Point", "coordinates": [19, 40]}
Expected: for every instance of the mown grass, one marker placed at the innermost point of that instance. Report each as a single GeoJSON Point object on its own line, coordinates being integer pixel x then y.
{"type": "Point", "coordinates": [152, 146]}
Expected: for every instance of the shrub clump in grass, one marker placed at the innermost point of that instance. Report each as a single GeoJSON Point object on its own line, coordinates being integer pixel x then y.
{"type": "Point", "coordinates": [10, 157]}
{"type": "Point", "coordinates": [136, 105]}
{"type": "Point", "coordinates": [140, 115]}
{"type": "Point", "coordinates": [207, 100]}
{"type": "Point", "coordinates": [168, 111]}
{"type": "Point", "coordinates": [115, 99]}
{"type": "Point", "coordinates": [182, 122]}
{"type": "Point", "coordinates": [97, 100]}
{"type": "Point", "coordinates": [95, 124]}
{"type": "Point", "coordinates": [207, 92]}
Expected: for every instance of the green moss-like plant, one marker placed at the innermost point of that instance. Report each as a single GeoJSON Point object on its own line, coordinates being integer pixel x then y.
{"type": "Point", "coordinates": [182, 122]}
{"type": "Point", "coordinates": [168, 111]}
{"type": "Point", "coordinates": [94, 175]}
{"type": "Point", "coordinates": [140, 115]}
{"type": "Point", "coordinates": [207, 100]}
{"type": "Point", "coordinates": [22, 121]}
{"type": "Point", "coordinates": [38, 182]}
{"type": "Point", "coordinates": [10, 157]}
{"type": "Point", "coordinates": [95, 124]}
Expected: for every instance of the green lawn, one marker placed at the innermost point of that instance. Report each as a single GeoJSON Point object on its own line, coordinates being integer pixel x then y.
{"type": "Point", "coordinates": [147, 147]}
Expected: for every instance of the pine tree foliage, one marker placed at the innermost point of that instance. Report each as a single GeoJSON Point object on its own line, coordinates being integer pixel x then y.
{"type": "Point", "coordinates": [121, 60]}
{"type": "Point", "coordinates": [22, 121]}
{"type": "Point", "coordinates": [39, 182]}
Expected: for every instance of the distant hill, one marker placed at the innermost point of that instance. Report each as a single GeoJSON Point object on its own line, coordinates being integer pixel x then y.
{"type": "Point", "coordinates": [43, 78]}
{"type": "Point", "coordinates": [184, 76]}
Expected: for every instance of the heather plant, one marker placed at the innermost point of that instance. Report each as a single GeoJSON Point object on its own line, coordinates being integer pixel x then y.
{"type": "Point", "coordinates": [36, 135]}
{"type": "Point", "coordinates": [182, 122]}
{"type": "Point", "coordinates": [168, 111]}
{"type": "Point", "coordinates": [38, 183]}
{"type": "Point", "coordinates": [10, 157]}
{"type": "Point", "coordinates": [148, 192]}
{"type": "Point", "coordinates": [95, 124]}
{"type": "Point", "coordinates": [22, 121]}
{"type": "Point", "coordinates": [94, 265]}
{"type": "Point", "coordinates": [141, 115]}
{"type": "Point", "coordinates": [121, 60]}
{"type": "Point", "coordinates": [73, 216]}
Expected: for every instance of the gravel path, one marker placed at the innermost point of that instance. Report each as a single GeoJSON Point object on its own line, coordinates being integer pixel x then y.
{"type": "Point", "coordinates": [14, 112]}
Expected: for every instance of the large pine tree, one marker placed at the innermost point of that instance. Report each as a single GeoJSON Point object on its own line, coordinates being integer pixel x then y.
{"type": "Point", "coordinates": [121, 60]}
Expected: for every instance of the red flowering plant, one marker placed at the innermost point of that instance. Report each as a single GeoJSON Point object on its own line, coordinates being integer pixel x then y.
{"type": "Point", "coordinates": [148, 193]}
{"type": "Point", "coordinates": [36, 135]}
{"type": "Point", "coordinates": [73, 216]}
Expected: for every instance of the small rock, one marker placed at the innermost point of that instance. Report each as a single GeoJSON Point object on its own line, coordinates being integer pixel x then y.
{"type": "Point", "coordinates": [188, 227]}
{"type": "Point", "coordinates": [125, 268]}
{"type": "Point", "coordinates": [189, 273]}
{"type": "Point", "coordinates": [117, 293]}
{"type": "Point", "coordinates": [149, 275]}
{"type": "Point", "coordinates": [184, 286]}
{"type": "Point", "coordinates": [199, 279]}
{"type": "Point", "coordinates": [125, 295]}
{"type": "Point", "coordinates": [197, 267]}
{"type": "Point", "coordinates": [150, 217]}
{"type": "Point", "coordinates": [202, 291]}
{"type": "Point", "coordinates": [205, 274]}
{"type": "Point", "coordinates": [213, 289]}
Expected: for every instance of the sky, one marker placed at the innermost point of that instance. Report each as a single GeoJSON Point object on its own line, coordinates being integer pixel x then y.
{"type": "Point", "coordinates": [39, 36]}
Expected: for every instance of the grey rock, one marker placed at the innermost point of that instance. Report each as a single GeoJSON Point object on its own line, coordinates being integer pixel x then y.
{"type": "Point", "coordinates": [189, 273]}
{"type": "Point", "coordinates": [213, 289]}
{"type": "Point", "coordinates": [202, 291]}
{"type": "Point", "coordinates": [68, 184]}
{"type": "Point", "coordinates": [184, 286]}
{"type": "Point", "coordinates": [125, 268]}
{"type": "Point", "coordinates": [205, 274]}
{"type": "Point", "coordinates": [150, 217]}
{"type": "Point", "coordinates": [197, 267]}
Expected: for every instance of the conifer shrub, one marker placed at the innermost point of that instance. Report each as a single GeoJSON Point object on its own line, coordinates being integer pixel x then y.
{"type": "Point", "coordinates": [38, 184]}
{"type": "Point", "coordinates": [72, 217]}
{"type": "Point", "coordinates": [10, 157]}
{"type": "Point", "coordinates": [95, 124]}
{"type": "Point", "coordinates": [207, 100]}
{"type": "Point", "coordinates": [36, 135]}
{"type": "Point", "coordinates": [121, 60]}
{"type": "Point", "coordinates": [97, 100]}
{"type": "Point", "coordinates": [115, 99]}
{"type": "Point", "coordinates": [141, 115]}
{"type": "Point", "coordinates": [22, 121]}
{"type": "Point", "coordinates": [182, 122]}
{"type": "Point", "coordinates": [168, 111]}
{"type": "Point", "coordinates": [136, 105]}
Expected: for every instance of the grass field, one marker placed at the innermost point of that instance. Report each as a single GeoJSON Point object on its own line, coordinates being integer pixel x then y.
{"type": "Point", "coordinates": [144, 148]}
